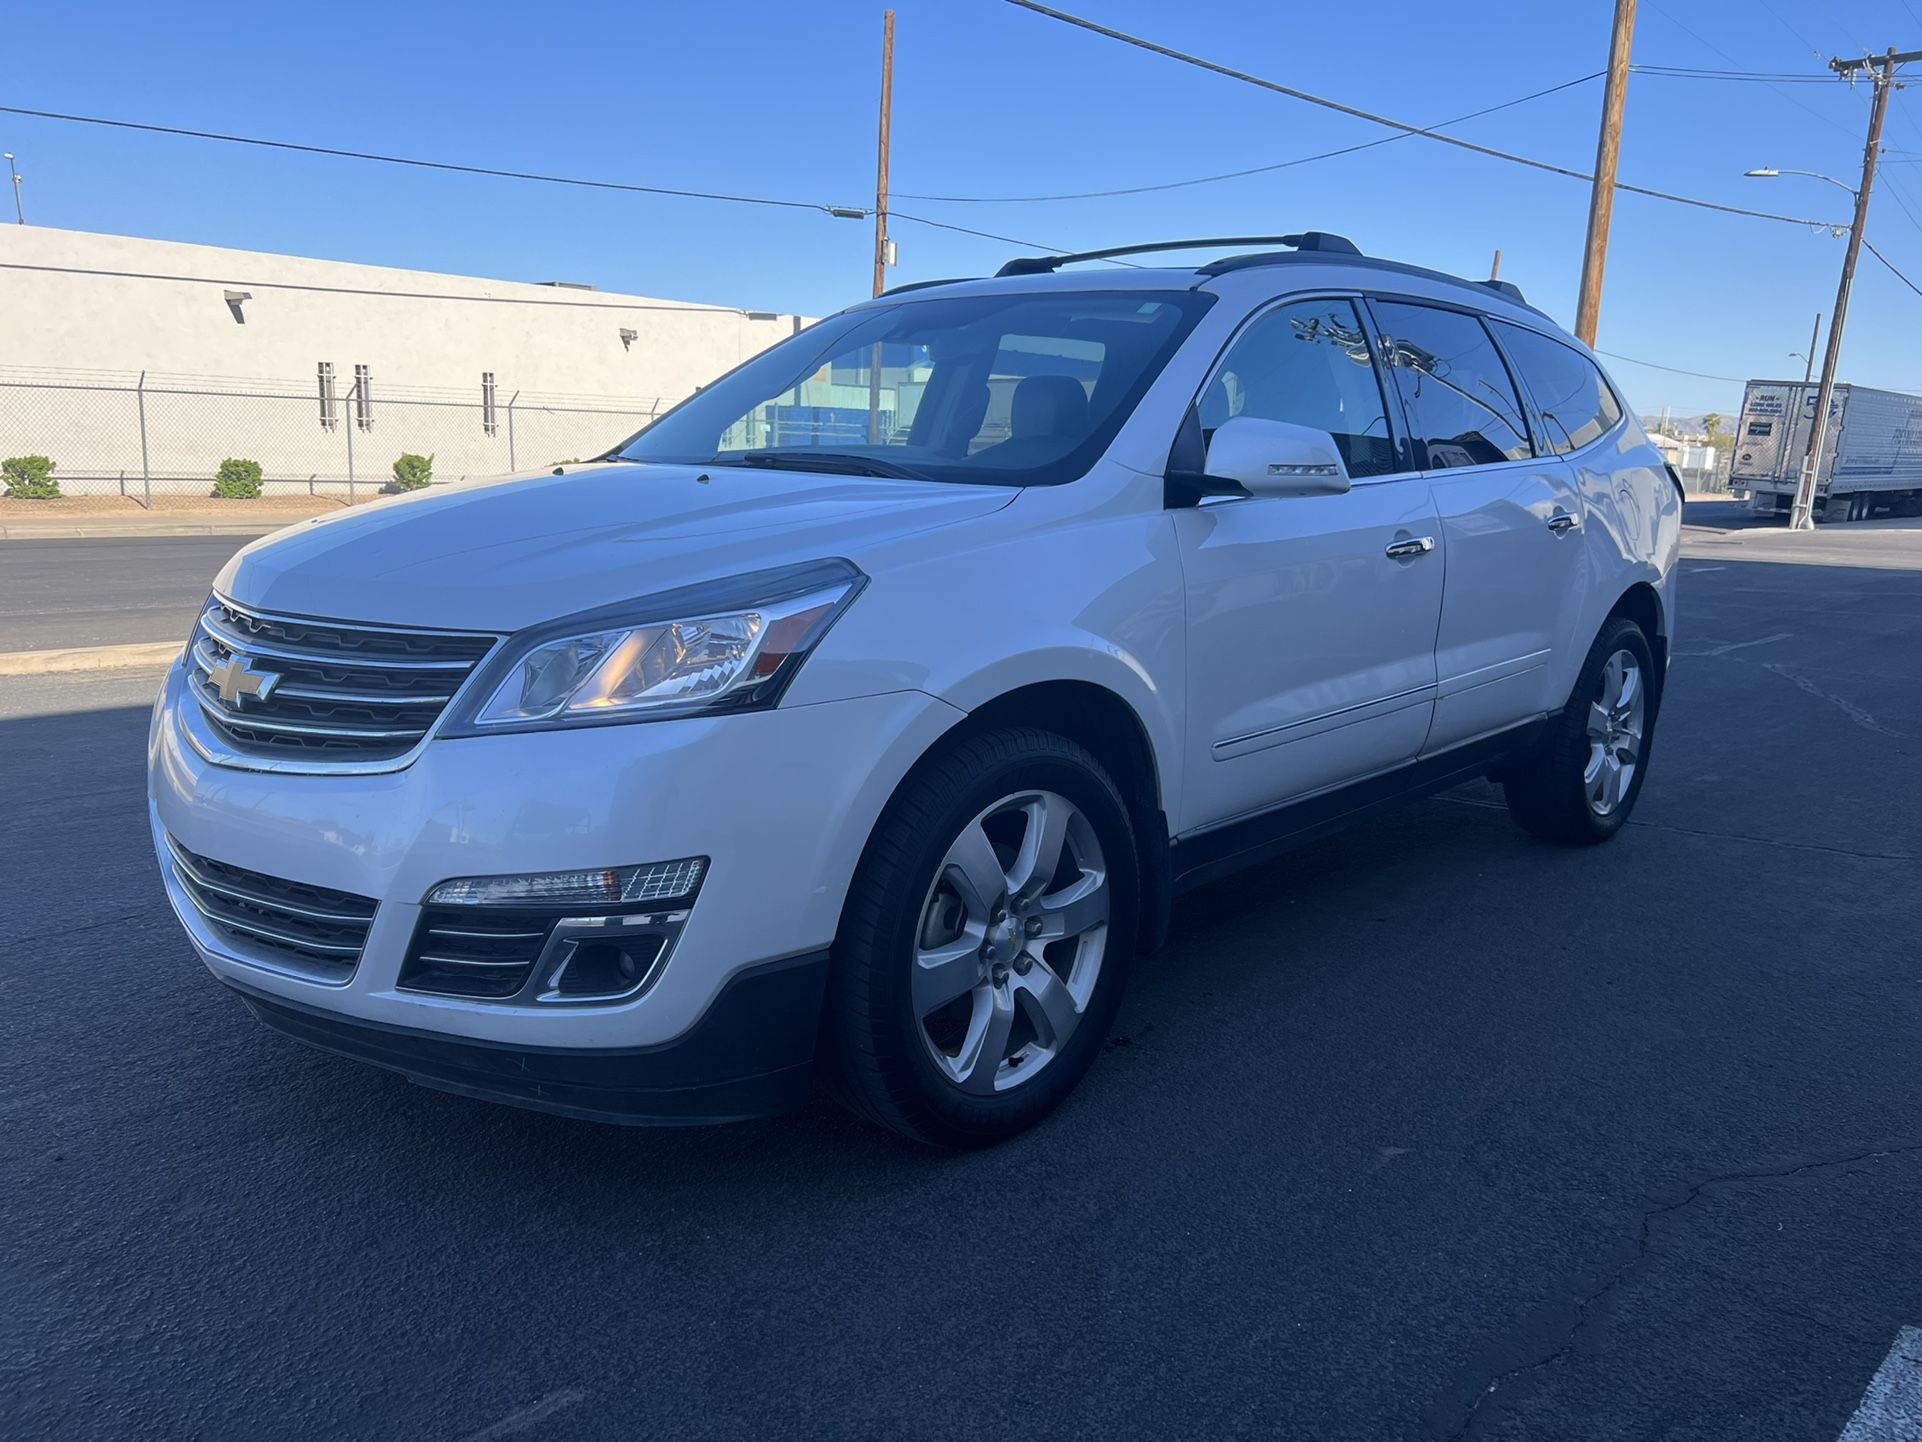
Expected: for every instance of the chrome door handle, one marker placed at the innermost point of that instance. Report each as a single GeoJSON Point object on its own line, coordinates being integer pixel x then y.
{"type": "Point", "coordinates": [1561, 523]}
{"type": "Point", "coordinates": [1419, 546]}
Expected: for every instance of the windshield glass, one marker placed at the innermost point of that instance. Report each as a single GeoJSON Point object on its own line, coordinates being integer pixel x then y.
{"type": "Point", "coordinates": [1011, 390]}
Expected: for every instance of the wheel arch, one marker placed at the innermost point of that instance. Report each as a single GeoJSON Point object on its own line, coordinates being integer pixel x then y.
{"type": "Point", "coordinates": [1114, 732]}
{"type": "Point", "coordinates": [1642, 604]}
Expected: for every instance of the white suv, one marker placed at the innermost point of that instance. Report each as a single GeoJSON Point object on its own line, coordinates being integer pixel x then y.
{"type": "Point", "coordinates": [861, 716]}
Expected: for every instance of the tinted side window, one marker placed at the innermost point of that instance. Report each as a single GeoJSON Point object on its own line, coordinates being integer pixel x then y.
{"type": "Point", "coordinates": [1461, 403]}
{"type": "Point", "coordinates": [1576, 404]}
{"type": "Point", "coordinates": [1308, 363]}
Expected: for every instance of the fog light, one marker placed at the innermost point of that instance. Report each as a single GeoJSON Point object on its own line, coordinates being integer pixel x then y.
{"type": "Point", "coordinates": [598, 968]}
{"type": "Point", "coordinates": [615, 886]}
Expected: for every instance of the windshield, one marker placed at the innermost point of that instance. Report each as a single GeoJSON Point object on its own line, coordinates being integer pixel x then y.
{"type": "Point", "coordinates": [1011, 390]}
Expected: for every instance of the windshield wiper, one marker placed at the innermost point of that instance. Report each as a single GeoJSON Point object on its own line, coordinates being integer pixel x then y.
{"type": "Point", "coordinates": [813, 460]}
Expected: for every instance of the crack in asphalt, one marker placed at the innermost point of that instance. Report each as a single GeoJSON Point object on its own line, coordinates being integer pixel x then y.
{"type": "Point", "coordinates": [1585, 1304]}
{"type": "Point", "coordinates": [1847, 707]}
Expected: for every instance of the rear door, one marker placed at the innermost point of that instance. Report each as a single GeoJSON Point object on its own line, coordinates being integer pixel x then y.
{"type": "Point", "coordinates": [1510, 518]}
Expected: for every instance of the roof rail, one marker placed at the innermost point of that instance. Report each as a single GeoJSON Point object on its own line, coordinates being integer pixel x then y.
{"type": "Point", "coordinates": [1308, 240]}
{"type": "Point", "coordinates": [1280, 257]}
{"type": "Point", "coordinates": [924, 284]}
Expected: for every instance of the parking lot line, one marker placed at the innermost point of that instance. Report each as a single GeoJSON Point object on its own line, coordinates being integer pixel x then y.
{"type": "Point", "coordinates": [1891, 1409]}
{"type": "Point", "coordinates": [515, 1423]}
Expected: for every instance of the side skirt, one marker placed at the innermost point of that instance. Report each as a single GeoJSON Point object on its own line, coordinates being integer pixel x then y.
{"type": "Point", "coordinates": [1232, 846]}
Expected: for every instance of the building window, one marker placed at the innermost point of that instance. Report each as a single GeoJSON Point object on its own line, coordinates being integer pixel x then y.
{"type": "Point", "coordinates": [329, 415]}
{"type": "Point", "coordinates": [363, 398]}
{"type": "Point", "coordinates": [490, 422]}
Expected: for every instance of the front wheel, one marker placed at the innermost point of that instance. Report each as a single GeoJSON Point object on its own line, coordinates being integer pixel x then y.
{"type": "Point", "coordinates": [1580, 787]}
{"type": "Point", "coordinates": [985, 941]}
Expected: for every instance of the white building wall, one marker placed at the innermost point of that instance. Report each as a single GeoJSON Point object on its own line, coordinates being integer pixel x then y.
{"type": "Point", "coordinates": [82, 316]}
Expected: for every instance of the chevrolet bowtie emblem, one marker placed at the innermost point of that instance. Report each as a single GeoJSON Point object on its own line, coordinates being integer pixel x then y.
{"type": "Point", "coordinates": [234, 678]}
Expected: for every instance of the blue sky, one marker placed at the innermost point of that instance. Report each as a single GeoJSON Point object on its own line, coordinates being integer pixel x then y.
{"type": "Point", "coordinates": [780, 100]}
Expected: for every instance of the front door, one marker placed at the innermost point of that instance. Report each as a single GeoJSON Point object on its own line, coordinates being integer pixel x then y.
{"type": "Point", "coordinates": [1311, 646]}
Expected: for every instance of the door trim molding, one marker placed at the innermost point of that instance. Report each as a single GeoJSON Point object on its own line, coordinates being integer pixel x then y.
{"type": "Point", "coordinates": [1497, 671]}
{"type": "Point", "coordinates": [1326, 721]}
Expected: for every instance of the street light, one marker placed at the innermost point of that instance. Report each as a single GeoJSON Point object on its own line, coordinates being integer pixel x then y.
{"type": "Point", "coordinates": [1769, 172]}
{"type": "Point", "coordinates": [1802, 516]}
{"type": "Point", "coordinates": [20, 216]}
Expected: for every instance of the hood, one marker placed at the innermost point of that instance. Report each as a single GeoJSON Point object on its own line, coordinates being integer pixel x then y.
{"type": "Point", "coordinates": [501, 554]}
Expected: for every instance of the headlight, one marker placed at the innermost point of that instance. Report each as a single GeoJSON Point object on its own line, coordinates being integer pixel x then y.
{"type": "Point", "coordinates": [732, 645]}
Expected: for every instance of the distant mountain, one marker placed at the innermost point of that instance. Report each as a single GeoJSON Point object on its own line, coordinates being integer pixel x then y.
{"type": "Point", "coordinates": [1682, 427]}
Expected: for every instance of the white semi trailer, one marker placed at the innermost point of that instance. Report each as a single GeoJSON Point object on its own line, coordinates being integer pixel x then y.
{"type": "Point", "coordinates": [1871, 453]}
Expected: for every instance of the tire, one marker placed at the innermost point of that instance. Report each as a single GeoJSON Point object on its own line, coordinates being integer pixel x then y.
{"type": "Point", "coordinates": [1023, 987]}
{"type": "Point", "coordinates": [1594, 746]}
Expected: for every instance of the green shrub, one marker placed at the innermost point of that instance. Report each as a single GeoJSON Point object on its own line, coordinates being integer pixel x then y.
{"type": "Point", "coordinates": [29, 478]}
{"type": "Point", "coordinates": [413, 473]}
{"type": "Point", "coordinates": [237, 480]}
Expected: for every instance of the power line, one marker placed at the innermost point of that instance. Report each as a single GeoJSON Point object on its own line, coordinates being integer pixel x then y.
{"type": "Point", "coordinates": [1761, 77]}
{"type": "Point", "coordinates": [854, 212]}
{"type": "Point", "coordinates": [1889, 182]}
{"type": "Point", "coordinates": [1703, 39]}
{"type": "Point", "coordinates": [991, 235]}
{"type": "Point", "coordinates": [369, 290]}
{"type": "Point", "coordinates": [1869, 245]}
{"type": "Point", "coordinates": [1700, 72]}
{"type": "Point", "coordinates": [1782, 20]}
{"type": "Point", "coordinates": [1255, 169]}
{"type": "Point", "coordinates": [1673, 370]}
{"type": "Point", "coordinates": [1335, 105]}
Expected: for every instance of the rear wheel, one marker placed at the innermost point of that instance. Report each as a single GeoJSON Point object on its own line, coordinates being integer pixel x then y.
{"type": "Point", "coordinates": [1580, 787]}
{"type": "Point", "coordinates": [985, 941]}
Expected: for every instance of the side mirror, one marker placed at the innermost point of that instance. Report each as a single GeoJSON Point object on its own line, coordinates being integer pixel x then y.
{"type": "Point", "coordinates": [1276, 458]}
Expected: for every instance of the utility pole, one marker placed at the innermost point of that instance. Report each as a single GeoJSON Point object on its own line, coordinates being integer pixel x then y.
{"type": "Point", "coordinates": [1815, 335]}
{"type": "Point", "coordinates": [881, 242]}
{"type": "Point", "coordinates": [1608, 149]}
{"type": "Point", "coordinates": [1802, 517]}
{"type": "Point", "coordinates": [1495, 270]}
{"type": "Point", "coordinates": [881, 163]}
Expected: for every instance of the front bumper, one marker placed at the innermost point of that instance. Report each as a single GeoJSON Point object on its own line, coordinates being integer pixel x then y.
{"type": "Point", "coordinates": [781, 801]}
{"type": "Point", "coordinates": [763, 1020]}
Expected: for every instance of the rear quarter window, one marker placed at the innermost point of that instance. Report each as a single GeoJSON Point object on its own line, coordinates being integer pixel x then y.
{"type": "Point", "coordinates": [1576, 404]}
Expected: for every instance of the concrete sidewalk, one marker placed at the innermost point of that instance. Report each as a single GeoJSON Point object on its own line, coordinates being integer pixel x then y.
{"type": "Point", "coordinates": [98, 518]}
{"type": "Point", "coordinates": [137, 656]}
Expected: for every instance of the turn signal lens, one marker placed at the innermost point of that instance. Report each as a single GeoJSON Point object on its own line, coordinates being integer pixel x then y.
{"type": "Point", "coordinates": [613, 886]}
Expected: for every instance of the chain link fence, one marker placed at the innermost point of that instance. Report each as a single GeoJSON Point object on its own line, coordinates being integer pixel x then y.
{"type": "Point", "coordinates": [142, 435]}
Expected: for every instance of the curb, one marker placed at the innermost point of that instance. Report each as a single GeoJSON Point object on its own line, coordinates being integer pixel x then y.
{"type": "Point", "coordinates": [98, 531]}
{"type": "Point", "coordinates": [89, 658]}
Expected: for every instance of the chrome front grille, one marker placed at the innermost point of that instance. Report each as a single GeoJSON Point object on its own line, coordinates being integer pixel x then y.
{"type": "Point", "coordinates": [283, 688]}
{"type": "Point", "coordinates": [314, 929]}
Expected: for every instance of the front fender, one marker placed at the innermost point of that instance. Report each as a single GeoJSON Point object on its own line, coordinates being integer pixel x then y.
{"type": "Point", "coordinates": [1068, 598]}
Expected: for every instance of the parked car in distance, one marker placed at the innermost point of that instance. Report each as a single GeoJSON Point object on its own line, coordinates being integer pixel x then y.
{"type": "Point", "coordinates": [860, 717]}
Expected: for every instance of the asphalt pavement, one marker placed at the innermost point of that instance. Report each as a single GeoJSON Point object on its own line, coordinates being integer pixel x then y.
{"type": "Point", "coordinates": [1430, 1130]}
{"type": "Point", "coordinates": [60, 593]}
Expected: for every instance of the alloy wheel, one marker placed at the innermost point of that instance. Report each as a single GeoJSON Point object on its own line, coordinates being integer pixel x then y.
{"type": "Point", "coordinates": [1010, 942]}
{"type": "Point", "coordinates": [1616, 718]}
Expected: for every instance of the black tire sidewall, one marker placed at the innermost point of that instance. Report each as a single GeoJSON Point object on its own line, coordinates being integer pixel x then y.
{"type": "Point", "coordinates": [930, 1102]}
